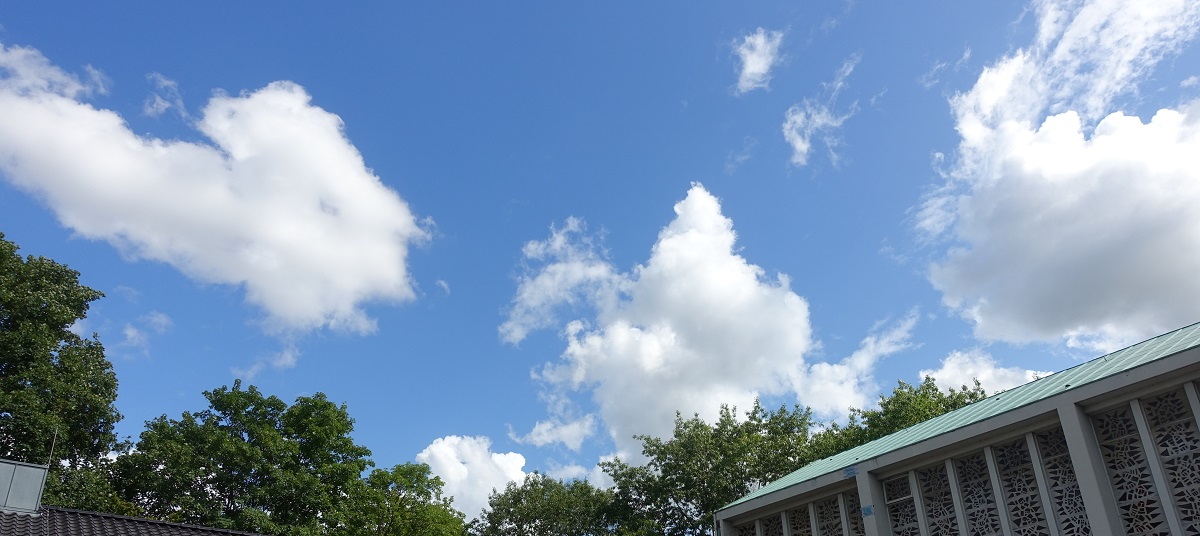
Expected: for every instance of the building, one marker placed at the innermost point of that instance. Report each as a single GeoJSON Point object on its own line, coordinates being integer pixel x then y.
{"type": "Point", "coordinates": [21, 513]}
{"type": "Point", "coordinates": [1108, 447]}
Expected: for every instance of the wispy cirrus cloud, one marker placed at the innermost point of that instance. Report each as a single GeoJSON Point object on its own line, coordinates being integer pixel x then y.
{"type": "Point", "coordinates": [816, 119]}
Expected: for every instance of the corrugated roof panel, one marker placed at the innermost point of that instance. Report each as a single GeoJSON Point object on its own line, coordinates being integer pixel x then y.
{"type": "Point", "coordinates": [1074, 377]}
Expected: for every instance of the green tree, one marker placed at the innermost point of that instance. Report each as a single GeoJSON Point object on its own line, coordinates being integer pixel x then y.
{"type": "Point", "coordinates": [912, 404]}
{"type": "Point", "coordinates": [56, 388]}
{"type": "Point", "coordinates": [703, 467]}
{"type": "Point", "coordinates": [544, 506]}
{"type": "Point", "coordinates": [86, 486]}
{"type": "Point", "coordinates": [248, 462]}
{"type": "Point", "coordinates": [907, 405]}
{"type": "Point", "coordinates": [405, 500]}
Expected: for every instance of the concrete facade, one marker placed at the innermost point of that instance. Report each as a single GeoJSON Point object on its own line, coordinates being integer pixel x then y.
{"type": "Point", "coordinates": [1117, 454]}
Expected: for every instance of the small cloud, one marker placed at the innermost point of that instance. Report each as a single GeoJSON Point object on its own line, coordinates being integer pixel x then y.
{"type": "Point", "coordinates": [961, 369]}
{"type": "Point", "coordinates": [931, 77]}
{"type": "Point", "coordinates": [248, 373]}
{"type": "Point", "coordinates": [571, 434]}
{"type": "Point", "coordinates": [962, 60]}
{"type": "Point", "coordinates": [804, 122]}
{"type": "Point", "coordinates": [284, 359]}
{"type": "Point", "coordinates": [815, 119]}
{"type": "Point", "coordinates": [835, 86]}
{"type": "Point", "coordinates": [1191, 81]}
{"type": "Point", "coordinates": [157, 321]}
{"type": "Point", "coordinates": [734, 160]}
{"type": "Point", "coordinates": [130, 294]}
{"type": "Point", "coordinates": [165, 98]}
{"type": "Point", "coordinates": [759, 52]}
{"type": "Point", "coordinates": [136, 335]}
{"type": "Point", "coordinates": [442, 284]}
{"type": "Point", "coordinates": [580, 270]}
{"type": "Point", "coordinates": [832, 22]}
{"type": "Point", "coordinates": [594, 476]}
{"type": "Point", "coordinates": [567, 472]}
{"type": "Point", "coordinates": [100, 82]}
{"type": "Point", "coordinates": [81, 328]}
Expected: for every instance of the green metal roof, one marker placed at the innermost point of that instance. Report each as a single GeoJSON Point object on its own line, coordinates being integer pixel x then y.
{"type": "Point", "coordinates": [1074, 377]}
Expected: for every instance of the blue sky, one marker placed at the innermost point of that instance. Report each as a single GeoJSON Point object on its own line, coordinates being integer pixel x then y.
{"type": "Point", "coordinates": [511, 236]}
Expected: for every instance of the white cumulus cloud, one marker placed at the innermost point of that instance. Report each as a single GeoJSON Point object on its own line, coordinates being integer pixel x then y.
{"type": "Point", "coordinates": [695, 326]}
{"type": "Point", "coordinates": [759, 52]}
{"type": "Point", "coordinates": [1068, 220]}
{"type": "Point", "coordinates": [470, 470]}
{"type": "Point", "coordinates": [280, 202]}
{"type": "Point", "coordinates": [570, 433]}
{"type": "Point", "coordinates": [963, 368]}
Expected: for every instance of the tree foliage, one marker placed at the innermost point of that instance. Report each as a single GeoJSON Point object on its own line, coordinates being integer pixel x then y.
{"type": "Point", "coordinates": [544, 506]}
{"type": "Point", "coordinates": [248, 462]}
{"type": "Point", "coordinates": [56, 388]}
{"type": "Point", "coordinates": [908, 405]}
{"type": "Point", "coordinates": [703, 467]}
{"type": "Point", "coordinates": [405, 500]}
{"type": "Point", "coordinates": [52, 379]}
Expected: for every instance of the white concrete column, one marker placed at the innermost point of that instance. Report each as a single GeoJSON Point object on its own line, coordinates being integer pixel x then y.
{"type": "Point", "coordinates": [874, 506]}
{"type": "Point", "coordinates": [1039, 473]}
{"type": "Point", "coordinates": [812, 519]}
{"type": "Point", "coordinates": [1189, 390]}
{"type": "Point", "coordinates": [997, 490]}
{"type": "Point", "coordinates": [960, 511]}
{"type": "Point", "coordinates": [845, 514]}
{"type": "Point", "coordinates": [1150, 451]}
{"type": "Point", "coordinates": [1090, 471]}
{"type": "Point", "coordinates": [915, 487]}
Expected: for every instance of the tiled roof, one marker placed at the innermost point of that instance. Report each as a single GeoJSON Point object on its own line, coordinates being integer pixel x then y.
{"type": "Point", "coordinates": [54, 521]}
{"type": "Point", "coordinates": [1072, 378]}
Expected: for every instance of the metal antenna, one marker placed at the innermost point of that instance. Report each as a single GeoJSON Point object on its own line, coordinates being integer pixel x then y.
{"type": "Point", "coordinates": [53, 440]}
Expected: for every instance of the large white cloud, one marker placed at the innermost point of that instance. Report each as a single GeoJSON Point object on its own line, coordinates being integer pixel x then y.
{"type": "Point", "coordinates": [280, 202]}
{"type": "Point", "coordinates": [697, 325]}
{"type": "Point", "coordinates": [470, 470]}
{"type": "Point", "coordinates": [758, 52]}
{"type": "Point", "coordinates": [1067, 220]}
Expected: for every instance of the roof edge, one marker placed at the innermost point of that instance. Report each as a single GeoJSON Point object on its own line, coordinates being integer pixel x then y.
{"type": "Point", "coordinates": [1069, 379]}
